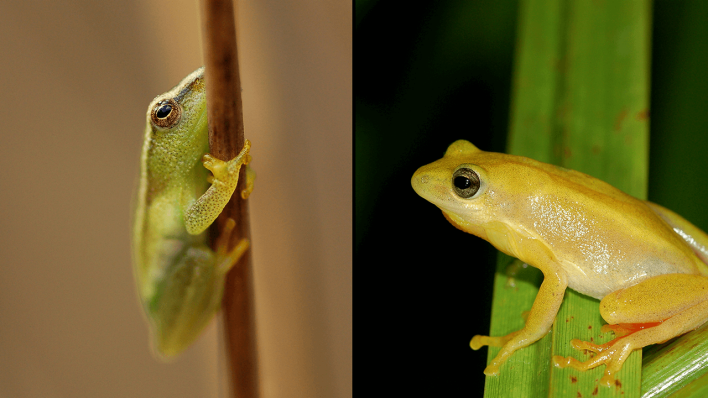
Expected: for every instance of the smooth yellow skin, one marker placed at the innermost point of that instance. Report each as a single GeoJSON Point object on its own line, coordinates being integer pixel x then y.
{"type": "Point", "coordinates": [646, 263]}
{"type": "Point", "coordinates": [180, 278]}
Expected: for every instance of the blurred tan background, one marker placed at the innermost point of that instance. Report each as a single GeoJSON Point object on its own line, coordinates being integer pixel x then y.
{"type": "Point", "coordinates": [75, 81]}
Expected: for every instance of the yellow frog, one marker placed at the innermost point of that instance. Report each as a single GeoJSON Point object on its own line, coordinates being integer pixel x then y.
{"type": "Point", "coordinates": [646, 263]}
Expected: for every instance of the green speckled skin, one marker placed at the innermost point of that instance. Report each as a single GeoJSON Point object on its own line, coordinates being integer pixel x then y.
{"type": "Point", "coordinates": [180, 278]}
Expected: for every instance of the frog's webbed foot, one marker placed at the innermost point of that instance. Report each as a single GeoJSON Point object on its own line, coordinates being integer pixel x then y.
{"type": "Point", "coordinates": [613, 354]}
{"type": "Point", "coordinates": [480, 341]}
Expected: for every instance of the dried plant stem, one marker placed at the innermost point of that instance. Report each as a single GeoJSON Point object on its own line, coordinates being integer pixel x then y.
{"type": "Point", "coordinates": [226, 139]}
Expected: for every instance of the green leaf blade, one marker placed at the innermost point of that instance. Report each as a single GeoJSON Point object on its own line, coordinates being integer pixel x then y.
{"type": "Point", "coordinates": [580, 100]}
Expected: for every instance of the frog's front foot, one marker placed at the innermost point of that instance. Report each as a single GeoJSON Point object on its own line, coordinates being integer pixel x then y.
{"type": "Point", "coordinates": [227, 171]}
{"type": "Point", "coordinates": [480, 341]}
{"type": "Point", "coordinates": [612, 355]}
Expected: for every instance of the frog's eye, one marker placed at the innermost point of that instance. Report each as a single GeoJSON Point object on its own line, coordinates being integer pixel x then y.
{"type": "Point", "coordinates": [465, 182]}
{"type": "Point", "coordinates": [166, 113]}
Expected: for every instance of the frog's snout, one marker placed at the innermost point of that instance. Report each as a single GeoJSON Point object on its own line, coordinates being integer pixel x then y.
{"type": "Point", "coordinates": [419, 181]}
{"type": "Point", "coordinates": [427, 183]}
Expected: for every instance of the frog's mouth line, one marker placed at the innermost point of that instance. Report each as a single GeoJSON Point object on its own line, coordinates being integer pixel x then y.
{"type": "Point", "coordinates": [453, 219]}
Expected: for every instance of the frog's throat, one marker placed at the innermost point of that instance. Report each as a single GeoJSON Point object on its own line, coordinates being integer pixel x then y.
{"type": "Point", "coordinates": [465, 226]}
{"type": "Point", "coordinates": [501, 238]}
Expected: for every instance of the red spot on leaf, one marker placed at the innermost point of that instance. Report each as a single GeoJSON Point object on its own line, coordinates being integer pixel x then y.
{"type": "Point", "coordinates": [620, 119]}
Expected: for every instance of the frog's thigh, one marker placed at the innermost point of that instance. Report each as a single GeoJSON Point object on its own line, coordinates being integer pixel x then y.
{"type": "Point", "coordinates": [655, 299]}
{"type": "Point", "coordinates": [186, 303]}
{"type": "Point", "coordinates": [687, 319]}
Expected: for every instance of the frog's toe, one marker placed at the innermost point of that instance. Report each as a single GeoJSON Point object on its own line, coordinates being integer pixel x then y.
{"type": "Point", "coordinates": [586, 345]}
{"type": "Point", "coordinates": [612, 355]}
{"type": "Point", "coordinates": [208, 160]}
{"type": "Point", "coordinates": [216, 166]}
{"type": "Point", "coordinates": [477, 342]}
{"type": "Point", "coordinates": [480, 341]}
{"type": "Point", "coordinates": [491, 370]}
{"type": "Point", "coordinates": [570, 362]}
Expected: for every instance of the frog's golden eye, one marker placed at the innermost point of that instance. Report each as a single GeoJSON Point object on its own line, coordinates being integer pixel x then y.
{"type": "Point", "coordinates": [465, 182]}
{"type": "Point", "coordinates": [166, 113]}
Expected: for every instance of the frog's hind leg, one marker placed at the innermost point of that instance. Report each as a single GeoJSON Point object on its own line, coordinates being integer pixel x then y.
{"type": "Point", "coordinates": [250, 179]}
{"type": "Point", "coordinates": [226, 259]}
{"type": "Point", "coordinates": [694, 236]}
{"type": "Point", "coordinates": [640, 317]}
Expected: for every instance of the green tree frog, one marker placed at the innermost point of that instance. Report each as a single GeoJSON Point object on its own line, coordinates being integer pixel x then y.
{"type": "Point", "coordinates": [180, 279]}
{"type": "Point", "coordinates": [646, 263]}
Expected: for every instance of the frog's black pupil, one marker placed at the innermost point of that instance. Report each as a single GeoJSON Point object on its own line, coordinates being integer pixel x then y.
{"type": "Point", "coordinates": [163, 111]}
{"type": "Point", "coordinates": [462, 182]}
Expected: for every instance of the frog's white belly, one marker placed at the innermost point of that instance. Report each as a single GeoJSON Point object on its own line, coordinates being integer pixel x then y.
{"type": "Point", "coordinates": [600, 251]}
{"type": "Point", "coordinates": [602, 278]}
